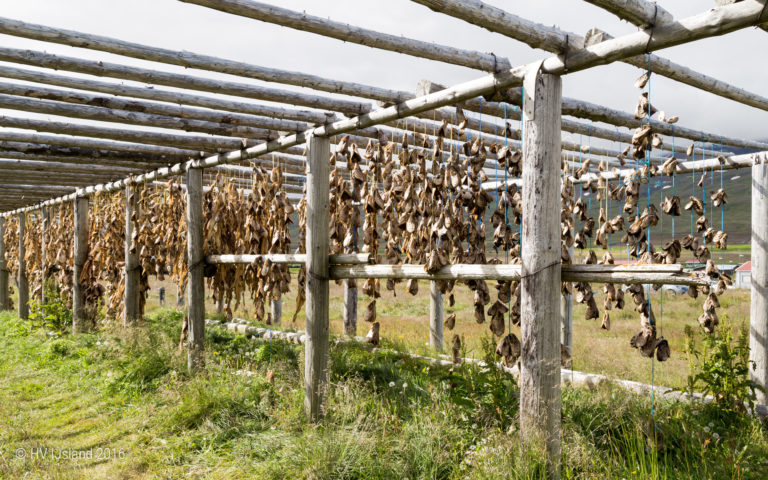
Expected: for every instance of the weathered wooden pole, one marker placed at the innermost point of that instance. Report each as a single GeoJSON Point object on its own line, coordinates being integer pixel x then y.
{"type": "Point", "coordinates": [195, 258]}
{"type": "Point", "coordinates": [4, 293]}
{"type": "Point", "coordinates": [435, 316]}
{"type": "Point", "coordinates": [23, 283]}
{"type": "Point", "coordinates": [220, 305]}
{"type": "Point", "coordinates": [316, 374]}
{"type": "Point", "coordinates": [44, 255]}
{"type": "Point", "coordinates": [80, 250]}
{"type": "Point", "coordinates": [276, 305]}
{"type": "Point", "coordinates": [132, 306]}
{"type": "Point", "coordinates": [349, 316]}
{"type": "Point", "coordinates": [540, 274]}
{"type": "Point", "coordinates": [350, 307]}
{"type": "Point", "coordinates": [758, 333]}
{"type": "Point", "coordinates": [566, 318]}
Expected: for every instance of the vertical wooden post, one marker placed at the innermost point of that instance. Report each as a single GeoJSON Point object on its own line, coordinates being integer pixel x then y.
{"type": "Point", "coordinates": [4, 292]}
{"type": "Point", "coordinates": [566, 317]}
{"type": "Point", "coordinates": [350, 285]}
{"type": "Point", "coordinates": [350, 307]}
{"type": "Point", "coordinates": [44, 255]}
{"type": "Point", "coordinates": [131, 307]}
{"type": "Point", "coordinates": [277, 310]}
{"type": "Point", "coordinates": [195, 284]}
{"type": "Point", "coordinates": [540, 282]}
{"type": "Point", "coordinates": [23, 283]}
{"type": "Point", "coordinates": [435, 316]}
{"type": "Point", "coordinates": [316, 374]}
{"type": "Point", "coordinates": [758, 332]}
{"type": "Point", "coordinates": [80, 250]}
{"type": "Point", "coordinates": [220, 305]}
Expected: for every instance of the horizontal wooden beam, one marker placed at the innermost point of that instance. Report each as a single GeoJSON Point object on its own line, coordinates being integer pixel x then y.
{"type": "Point", "coordinates": [732, 162]}
{"type": "Point", "coordinates": [187, 82]}
{"type": "Point", "coordinates": [220, 123]}
{"type": "Point", "coordinates": [169, 96]}
{"type": "Point", "coordinates": [599, 113]}
{"type": "Point", "coordinates": [571, 106]}
{"type": "Point", "coordinates": [641, 13]}
{"type": "Point", "coordinates": [291, 259]}
{"type": "Point", "coordinates": [203, 143]}
{"type": "Point", "coordinates": [554, 40]}
{"type": "Point", "coordinates": [609, 274]}
{"type": "Point", "coordinates": [54, 143]}
{"type": "Point", "coordinates": [132, 117]}
{"type": "Point", "coordinates": [353, 34]}
{"type": "Point", "coordinates": [61, 167]}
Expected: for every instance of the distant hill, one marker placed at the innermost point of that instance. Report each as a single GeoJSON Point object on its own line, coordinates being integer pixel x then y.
{"type": "Point", "coordinates": [737, 212]}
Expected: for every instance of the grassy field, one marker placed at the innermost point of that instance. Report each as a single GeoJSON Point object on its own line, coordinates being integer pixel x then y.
{"type": "Point", "coordinates": [405, 320]}
{"type": "Point", "coordinates": [122, 401]}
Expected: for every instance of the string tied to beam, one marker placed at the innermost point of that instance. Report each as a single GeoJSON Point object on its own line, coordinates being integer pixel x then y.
{"type": "Point", "coordinates": [650, 36]}
{"type": "Point", "coordinates": [649, 247]}
{"type": "Point", "coordinates": [760, 15]}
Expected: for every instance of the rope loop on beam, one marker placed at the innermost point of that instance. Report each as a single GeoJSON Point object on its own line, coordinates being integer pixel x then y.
{"type": "Point", "coordinates": [650, 30]}
{"type": "Point", "coordinates": [760, 15]}
{"type": "Point", "coordinates": [565, 51]}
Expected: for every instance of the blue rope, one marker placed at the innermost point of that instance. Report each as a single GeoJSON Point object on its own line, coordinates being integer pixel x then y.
{"type": "Point", "coordinates": [648, 158]}
{"type": "Point", "coordinates": [522, 150]}
{"type": "Point", "coordinates": [703, 184]}
{"type": "Point", "coordinates": [722, 206]}
{"type": "Point", "coordinates": [589, 152]}
{"type": "Point", "coordinates": [506, 223]}
{"type": "Point", "coordinates": [693, 182]}
{"type": "Point", "coordinates": [674, 174]}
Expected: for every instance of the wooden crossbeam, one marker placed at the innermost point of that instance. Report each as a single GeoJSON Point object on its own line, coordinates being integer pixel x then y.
{"type": "Point", "coordinates": [642, 13]}
{"type": "Point", "coordinates": [554, 40]}
{"type": "Point", "coordinates": [353, 34]}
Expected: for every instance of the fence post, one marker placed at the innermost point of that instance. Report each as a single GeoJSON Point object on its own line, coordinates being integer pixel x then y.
{"type": "Point", "coordinates": [44, 254]}
{"type": "Point", "coordinates": [277, 310]}
{"type": "Point", "coordinates": [540, 282]}
{"type": "Point", "coordinates": [195, 282]}
{"type": "Point", "coordinates": [131, 307]}
{"type": "Point", "coordinates": [435, 316]}
{"type": "Point", "coordinates": [23, 283]}
{"type": "Point", "coordinates": [566, 317]}
{"type": "Point", "coordinates": [316, 374]}
{"type": "Point", "coordinates": [80, 251]}
{"type": "Point", "coordinates": [4, 293]}
{"type": "Point", "coordinates": [758, 332]}
{"type": "Point", "coordinates": [350, 285]}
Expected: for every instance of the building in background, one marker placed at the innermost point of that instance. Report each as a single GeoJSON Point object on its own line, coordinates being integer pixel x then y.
{"type": "Point", "coordinates": [743, 276]}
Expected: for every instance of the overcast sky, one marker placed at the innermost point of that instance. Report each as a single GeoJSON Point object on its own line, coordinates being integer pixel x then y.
{"type": "Point", "coordinates": [738, 58]}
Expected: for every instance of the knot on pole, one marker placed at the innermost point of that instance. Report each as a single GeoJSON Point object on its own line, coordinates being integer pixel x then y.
{"type": "Point", "coordinates": [315, 276]}
{"type": "Point", "coordinates": [652, 26]}
{"type": "Point", "coordinates": [530, 274]}
{"type": "Point", "coordinates": [566, 47]}
{"type": "Point", "coordinates": [760, 15]}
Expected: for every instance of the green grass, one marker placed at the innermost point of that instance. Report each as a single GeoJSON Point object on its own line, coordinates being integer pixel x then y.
{"type": "Point", "coordinates": [405, 321]}
{"type": "Point", "coordinates": [389, 416]}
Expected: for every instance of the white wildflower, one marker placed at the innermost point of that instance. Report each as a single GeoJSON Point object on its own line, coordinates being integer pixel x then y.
{"type": "Point", "coordinates": [391, 384]}
{"type": "Point", "coordinates": [706, 429]}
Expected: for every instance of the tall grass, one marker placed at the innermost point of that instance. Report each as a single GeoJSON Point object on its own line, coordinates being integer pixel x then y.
{"type": "Point", "coordinates": [388, 416]}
